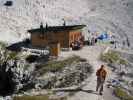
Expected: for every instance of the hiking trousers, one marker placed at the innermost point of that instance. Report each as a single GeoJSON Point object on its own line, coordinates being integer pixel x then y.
{"type": "Point", "coordinates": [100, 83]}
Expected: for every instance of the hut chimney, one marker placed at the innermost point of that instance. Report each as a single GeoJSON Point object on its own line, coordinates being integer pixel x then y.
{"type": "Point", "coordinates": [41, 25]}
{"type": "Point", "coordinates": [41, 28]}
{"type": "Point", "coordinates": [64, 23]}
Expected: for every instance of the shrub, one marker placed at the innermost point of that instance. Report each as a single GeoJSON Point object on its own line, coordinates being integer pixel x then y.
{"type": "Point", "coordinates": [110, 57]}
{"type": "Point", "coordinates": [122, 61]}
{"type": "Point", "coordinates": [113, 57]}
{"type": "Point", "coordinates": [70, 60]}
{"type": "Point", "coordinates": [42, 97]}
{"type": "Point", "coordinates": [2, 45]}
{"type": "Point", "coordinates": [31, 58]}
{"type": "Point", "coordinates": [122, 94]}
{"type": "Point", "coordinates": [53, 66]}
{"type": "Point", "coordinates": [13, 55]}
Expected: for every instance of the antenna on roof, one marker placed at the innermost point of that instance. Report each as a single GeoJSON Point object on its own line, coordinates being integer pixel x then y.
{"type": "Point", "coordinates": [64, 23]}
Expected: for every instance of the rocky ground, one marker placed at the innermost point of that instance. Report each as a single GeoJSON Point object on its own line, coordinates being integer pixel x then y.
{"type": "Point", "coordinates": [87, 92]}
{"type": "Point", "coordinates": [24, 77]}
{"type": "Point", "coordinates": [126, 80]}
{"type": "Point", "coordinates": [76, 81]}
{"type": "Point", "coordinates": [69, 76]}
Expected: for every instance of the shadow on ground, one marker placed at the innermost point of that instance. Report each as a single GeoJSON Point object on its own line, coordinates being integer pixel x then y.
{"type": "Point", "coordinates": [17, 46]}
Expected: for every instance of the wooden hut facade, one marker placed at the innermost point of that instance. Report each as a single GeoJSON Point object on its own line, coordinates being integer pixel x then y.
{"type": "Point", "coordinates": [64, 35]}
{"type": "Point", "coordinates": [58, 36]}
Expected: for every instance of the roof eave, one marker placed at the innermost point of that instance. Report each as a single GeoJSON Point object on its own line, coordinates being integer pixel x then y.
{"type": "Point", "coordinates": [76, 27]}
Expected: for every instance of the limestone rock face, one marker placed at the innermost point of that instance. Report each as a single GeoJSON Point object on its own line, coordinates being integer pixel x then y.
{"type": "Point", "coordinates": [114, 16]}
{"type": "Point", "coordinates": [14, 74]}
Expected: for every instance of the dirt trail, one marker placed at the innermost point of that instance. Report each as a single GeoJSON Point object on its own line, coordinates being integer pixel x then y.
{"type": "Point", "coordinates": [92, 54]}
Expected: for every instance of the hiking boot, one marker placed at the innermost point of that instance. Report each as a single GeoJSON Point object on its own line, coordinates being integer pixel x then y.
{"type": "Point", "coordinates": [100, 93]}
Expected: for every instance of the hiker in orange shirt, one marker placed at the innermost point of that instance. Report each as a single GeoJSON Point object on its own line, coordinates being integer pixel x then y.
{"type": "Point", "coordinates": [101, 76]}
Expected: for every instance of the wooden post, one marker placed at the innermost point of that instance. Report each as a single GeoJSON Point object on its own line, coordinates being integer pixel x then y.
{"type": "Point", "coordinates": [54, 49]}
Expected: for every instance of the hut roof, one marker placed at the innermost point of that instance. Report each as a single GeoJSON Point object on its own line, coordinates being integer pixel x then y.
{"type": "Point", "coordinates": [56, 28]}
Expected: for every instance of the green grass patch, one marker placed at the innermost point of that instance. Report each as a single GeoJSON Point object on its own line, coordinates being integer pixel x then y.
{"type": "Point", "coordinates": [123, 95]}
{"type": "Point", "coordinates": [110, 57]}
{"type": "Point", "coordinates": [53, 66]}
{"type": "Point", "coordinates": [113, 57]}
{"type": "Point", "coordinates": [31, 98]}
{"type": "Point", "coordinates": [42, 97]}
{"type": "Point", "coordinates": [13, 55]}
{"type": "Point", "coordinates": [8, 55]}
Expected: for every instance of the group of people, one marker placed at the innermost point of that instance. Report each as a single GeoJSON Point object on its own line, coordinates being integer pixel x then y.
{"type": "Point", "coordinates": [77, 44]}
{"type": "Point", "coordinates": [92, 41]}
